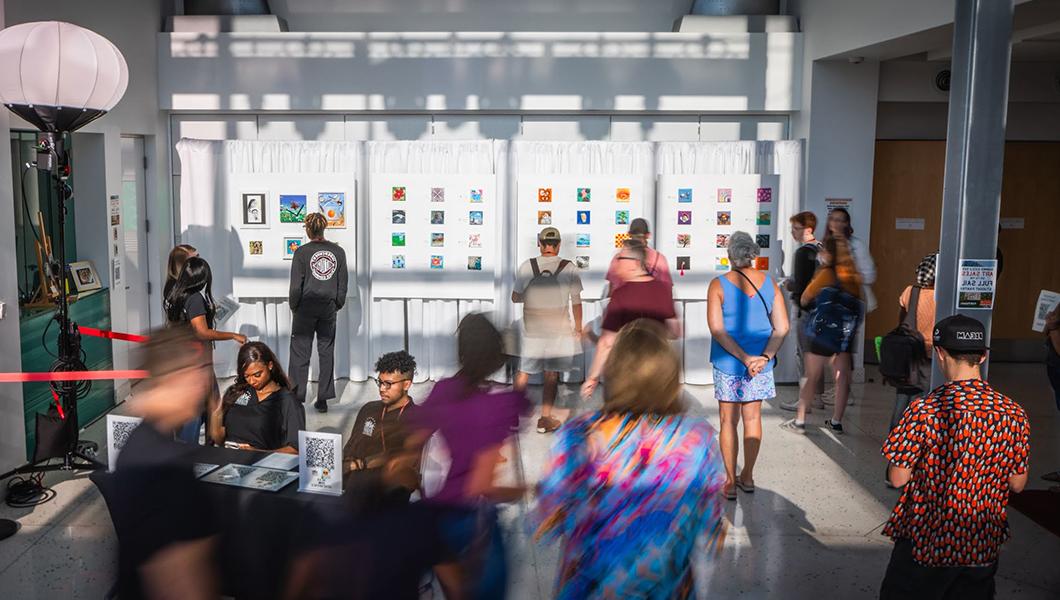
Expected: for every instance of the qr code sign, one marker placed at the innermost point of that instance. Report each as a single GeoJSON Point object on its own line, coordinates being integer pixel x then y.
{"type": "Point", "coordinates": [320, 453]}
{"type": "Point", "coordinates": [120, 431]}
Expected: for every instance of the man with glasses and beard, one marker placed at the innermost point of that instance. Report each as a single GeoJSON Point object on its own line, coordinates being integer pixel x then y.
{"type": "Point", "coordinates": [378, 432]}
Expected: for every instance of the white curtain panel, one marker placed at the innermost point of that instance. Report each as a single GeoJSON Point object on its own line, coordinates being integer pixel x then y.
{"type": "Point", "coordinates": [430, 325]}
{"type": "Point", "coordinates": [204, 221]}
{"type": "Point", "coordinates": [577, 158]}
{"type": "Point", "coordinates": [783, 158]}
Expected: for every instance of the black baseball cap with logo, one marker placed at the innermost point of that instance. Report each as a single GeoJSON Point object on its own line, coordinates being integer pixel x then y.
{"type": "Point", "coordinates": [960, 334]}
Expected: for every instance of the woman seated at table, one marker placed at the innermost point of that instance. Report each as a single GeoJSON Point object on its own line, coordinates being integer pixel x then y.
{"type": "Point", "coordinates": [259, 411]}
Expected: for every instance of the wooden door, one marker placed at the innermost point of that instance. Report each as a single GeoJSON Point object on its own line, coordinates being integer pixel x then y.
{"type": "Point", "coordinates": [907, 183]}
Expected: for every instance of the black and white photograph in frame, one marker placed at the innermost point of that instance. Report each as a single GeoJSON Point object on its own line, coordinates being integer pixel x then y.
{"type": "Point", "coordinates": [85, 276]}
{"type": "Point", "coordinates": [254, 208]}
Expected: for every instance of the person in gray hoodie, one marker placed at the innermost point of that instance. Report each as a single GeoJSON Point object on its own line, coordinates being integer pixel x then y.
{"type": "Point", "coordinates": [319, 280]}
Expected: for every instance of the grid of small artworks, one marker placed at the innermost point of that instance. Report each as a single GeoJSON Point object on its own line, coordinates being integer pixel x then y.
{"type": "Point", "coordinates": [721, 215]}
{"type": "Point", "coordinates": [446, 208]}
{"type": "Point", "coordinates": [583, 196]}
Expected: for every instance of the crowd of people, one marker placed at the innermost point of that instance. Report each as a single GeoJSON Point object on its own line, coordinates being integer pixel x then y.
{"type": "Point", "coordinates": [633, 485]}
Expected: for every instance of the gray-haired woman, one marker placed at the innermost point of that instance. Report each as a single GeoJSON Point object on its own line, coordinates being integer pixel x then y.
{"type": "Point", "coordinates": [747, 325]}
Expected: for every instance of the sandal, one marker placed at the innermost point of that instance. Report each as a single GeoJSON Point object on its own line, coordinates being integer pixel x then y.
{"type": "Point", "coordinates": [730, 493]}
{"type": "Point", "coordinates": [745, 487]}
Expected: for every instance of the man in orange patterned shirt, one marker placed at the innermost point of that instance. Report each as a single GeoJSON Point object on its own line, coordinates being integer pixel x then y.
{"type": "Point", "coordinates": [958, 452]}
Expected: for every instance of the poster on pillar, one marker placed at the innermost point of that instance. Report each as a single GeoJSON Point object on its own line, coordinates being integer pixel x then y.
{"type": "Point", "coordinates": [266, 218]}
{"type": "Point", "coordinates": [433, 236]}
{"type": "Point", "coordinates": [698, 213]}
{"type": "Point", "coordinates": [592, 213]}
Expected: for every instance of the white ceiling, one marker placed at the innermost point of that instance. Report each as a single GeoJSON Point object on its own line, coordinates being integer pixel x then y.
{"type": "Point", "coordinates": [1035, 36]}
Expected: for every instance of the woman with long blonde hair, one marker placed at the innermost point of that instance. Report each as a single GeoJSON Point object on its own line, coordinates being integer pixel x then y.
{"type": "Point", "coordinates": [631, 486]}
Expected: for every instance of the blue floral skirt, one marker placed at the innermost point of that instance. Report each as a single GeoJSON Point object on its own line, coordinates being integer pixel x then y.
{"type": "Point", "coordinates": [740, 388]}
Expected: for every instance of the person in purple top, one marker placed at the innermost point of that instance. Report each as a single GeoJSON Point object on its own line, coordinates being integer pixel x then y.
{"type": "Point", "coordinates": [473, 421]}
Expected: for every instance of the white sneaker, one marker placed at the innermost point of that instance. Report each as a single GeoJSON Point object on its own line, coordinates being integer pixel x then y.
{"type": "Point", "coordinates": [828, 397]}
{"type": "Point", "coordinates": [791, 405]}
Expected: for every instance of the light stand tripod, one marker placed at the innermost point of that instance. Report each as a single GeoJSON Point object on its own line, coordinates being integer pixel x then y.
{"type": "Point", "coordinates": [94, 78]}
{"type": "Point", "coordinates": [53, 159]}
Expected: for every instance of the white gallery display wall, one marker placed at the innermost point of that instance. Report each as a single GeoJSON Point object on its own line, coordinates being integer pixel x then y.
{"type": "Point", "coordinates": [432, 232]}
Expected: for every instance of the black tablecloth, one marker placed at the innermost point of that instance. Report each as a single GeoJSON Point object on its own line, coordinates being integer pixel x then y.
{"type": "Point", "coordinates": [261, 532]}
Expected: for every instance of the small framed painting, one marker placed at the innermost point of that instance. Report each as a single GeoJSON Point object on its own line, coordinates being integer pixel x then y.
{"type": "Point", "coordinates": [293, 208]}
{"type": "Point", "coordinates": [333, 206]}
{"type": "Point", "coordinates": [85, 276]}
{"type": "Point", "coordinates": [290, 245]}
{"type": "Point", "coordinates": [254, 210]}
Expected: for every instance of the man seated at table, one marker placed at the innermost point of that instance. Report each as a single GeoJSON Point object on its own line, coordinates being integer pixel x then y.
{"type": "Point", "coordinates": [378, 431]}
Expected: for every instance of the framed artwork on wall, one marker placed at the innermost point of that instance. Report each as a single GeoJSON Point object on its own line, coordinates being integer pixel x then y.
{"type": "Point", "coordinates": [85, 276]}
{"type": "Point", "coordinates": [254, 210]}
{"type": "Point", "coordinates": [333, 206]}
{"type": "Point", "coordinates": [290, 245]}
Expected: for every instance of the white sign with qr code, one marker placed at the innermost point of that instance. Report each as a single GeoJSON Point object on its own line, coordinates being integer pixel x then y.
{"type": "Point", "coordinates": [320, 463]}
{"type": "Point", "coordinates": [118, 430]}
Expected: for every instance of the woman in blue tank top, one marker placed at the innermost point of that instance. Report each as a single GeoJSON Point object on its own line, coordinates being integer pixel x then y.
{"type": "Point", "coordinates": [747, 327]}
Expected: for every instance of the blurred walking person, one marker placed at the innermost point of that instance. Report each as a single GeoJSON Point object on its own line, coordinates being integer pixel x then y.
{"type": "Point", "coordinates": [655, 262]}
{"type": "Point", "coordinates": [641, 296]}
{"type": "Point", "coordinates": [163, 517]}
{"type": "Point", "coordinates": [747, 326]}
{"type": "Point", "coordinates": [473, 422]}
{"type": "Point", "coordinates": [803, 270]}
{"type": "Point", "coordinates": [840, 226]}
{"type": "Point", "coordinates": [549, 288]}
{"type": "Point", "coordinates": [834, 295]}
{"type": "Point", "coordinates": [630, 487]}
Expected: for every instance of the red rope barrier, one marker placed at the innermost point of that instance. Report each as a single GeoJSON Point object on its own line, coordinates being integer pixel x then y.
{"type": "Point", "coordinates": [71, 376]}
{"type": "Point", "coordinates": [112, 335]}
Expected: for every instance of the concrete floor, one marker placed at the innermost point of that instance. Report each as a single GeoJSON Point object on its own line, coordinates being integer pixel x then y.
{"type": "Point", "coordinates": [812, 527]}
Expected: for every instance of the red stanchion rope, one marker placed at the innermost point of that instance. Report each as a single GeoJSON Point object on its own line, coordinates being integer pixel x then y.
{"type": "Point", "coordinates": [112, 335]}
{"type": "Point", "coordinates": [71, 376]}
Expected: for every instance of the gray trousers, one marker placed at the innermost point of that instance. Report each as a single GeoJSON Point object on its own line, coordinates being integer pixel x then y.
{"type": "Point", "coordinates": [303, 328]}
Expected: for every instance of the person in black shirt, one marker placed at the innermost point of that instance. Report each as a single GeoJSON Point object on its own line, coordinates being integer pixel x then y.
{"type": "Point", "coordinates": [378, 431]}
{"type": "Point", "coordinates": [190, 300]}
{"type": "Point", "coordinates": [318, 290]}
{"type": "Point", "coordinates": [163, 518]}
{"type": "Point", "coordinates": [259, 411]}
{"type": "Point", "coordinates": [803, 270]}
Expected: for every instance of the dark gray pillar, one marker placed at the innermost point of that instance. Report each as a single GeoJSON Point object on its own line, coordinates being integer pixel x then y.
{"type": "Point", "coordinates": [975, 147]}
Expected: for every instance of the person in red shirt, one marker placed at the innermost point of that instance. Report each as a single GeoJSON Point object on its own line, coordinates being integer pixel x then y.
{"type": "Point", "coordinates": [641, 296]}
{"type": "Point", "coordinates": [654, 261]}
{"type": "Point", "coordinates": [958, 452]}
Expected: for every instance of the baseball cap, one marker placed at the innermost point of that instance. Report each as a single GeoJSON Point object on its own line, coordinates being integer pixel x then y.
{"type": "Point", "coordinates": [549, 234]}
{"type": "Point", "coordinates": [960, 334]}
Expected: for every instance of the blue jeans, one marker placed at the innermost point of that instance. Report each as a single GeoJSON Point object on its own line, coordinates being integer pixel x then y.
{"type": "Point", "coordinates": [474, 538]}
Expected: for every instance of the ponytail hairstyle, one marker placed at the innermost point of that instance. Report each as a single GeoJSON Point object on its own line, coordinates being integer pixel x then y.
{"type": "Point", "coordinates": [194, 278]}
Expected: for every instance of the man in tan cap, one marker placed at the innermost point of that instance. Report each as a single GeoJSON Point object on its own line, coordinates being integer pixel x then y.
{"type": "Point", "coordinates": [549, 288]}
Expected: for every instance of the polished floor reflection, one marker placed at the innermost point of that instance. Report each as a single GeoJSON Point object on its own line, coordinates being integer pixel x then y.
{"type": "Point", "coordinates": [811, 528]}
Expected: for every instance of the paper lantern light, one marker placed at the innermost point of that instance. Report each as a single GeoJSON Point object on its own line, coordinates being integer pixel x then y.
{"type": "Point", "coordinates": [59, 76]}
